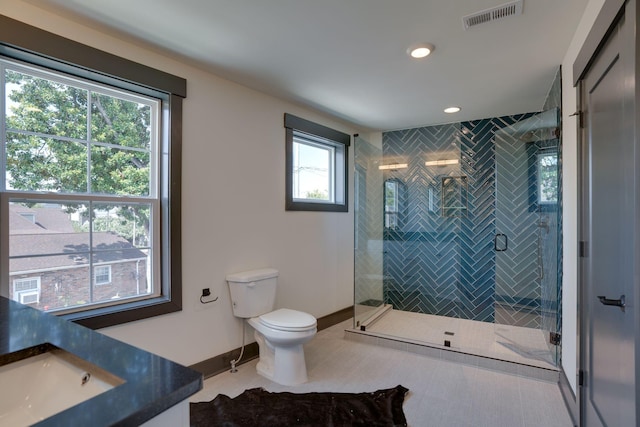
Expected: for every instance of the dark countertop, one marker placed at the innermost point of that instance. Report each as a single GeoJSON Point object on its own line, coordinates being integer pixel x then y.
{"type": "Point", "coordinates": [152, 384]}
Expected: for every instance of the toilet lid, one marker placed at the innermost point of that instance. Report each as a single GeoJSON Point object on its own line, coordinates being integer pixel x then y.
{"type": "Point", "coordinates": [288, 320]}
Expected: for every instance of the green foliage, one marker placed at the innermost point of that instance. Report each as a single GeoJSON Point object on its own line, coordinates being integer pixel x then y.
{"type": "Point", "coordinates": [390, 196]}
{"type": "Point", "coordinates": [317, 194]}
{"type": "Point", "coordinates": [122, 226]}
{"type": "Point", "coordinates": [62, 138]}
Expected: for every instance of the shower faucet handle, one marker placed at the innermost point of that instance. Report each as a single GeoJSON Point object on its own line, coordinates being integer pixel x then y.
{"type": "Point", "coordinates": [500, 242]}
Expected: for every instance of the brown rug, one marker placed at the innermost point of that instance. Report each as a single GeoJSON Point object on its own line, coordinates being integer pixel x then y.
{"type": "Point", "coordinates": [258, 407]}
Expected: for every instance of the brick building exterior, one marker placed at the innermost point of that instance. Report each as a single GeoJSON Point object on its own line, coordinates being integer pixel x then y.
{"type": "Point", "coordinates": [49, 262]}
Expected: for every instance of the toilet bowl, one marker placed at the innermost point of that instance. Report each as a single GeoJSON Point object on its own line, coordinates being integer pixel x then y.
{"type": "Point", "coordinates": [280, 334]}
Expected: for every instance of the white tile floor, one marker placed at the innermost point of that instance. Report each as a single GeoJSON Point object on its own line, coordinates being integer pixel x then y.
{"type": "Point", "coordinates": [441, 393]}
{"type": "Point", "coordinates": [504, 342]}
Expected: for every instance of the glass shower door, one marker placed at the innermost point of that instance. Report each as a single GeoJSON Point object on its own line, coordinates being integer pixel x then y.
{"type": "Point", "coordinates": [526, 239]}
{"type": "Point", "coordinates": [368, 239]}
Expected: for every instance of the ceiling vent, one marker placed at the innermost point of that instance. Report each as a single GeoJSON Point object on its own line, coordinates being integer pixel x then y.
{"type": "Point", "coordinates": [499, 12]}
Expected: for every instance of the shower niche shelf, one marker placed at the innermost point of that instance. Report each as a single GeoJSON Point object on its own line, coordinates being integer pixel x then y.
{"type": "Point", "coordinates": [454, 196]}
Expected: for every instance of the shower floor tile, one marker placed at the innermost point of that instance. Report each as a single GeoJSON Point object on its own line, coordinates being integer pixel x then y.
{"type": "Point", "coordinates": [503, 342]}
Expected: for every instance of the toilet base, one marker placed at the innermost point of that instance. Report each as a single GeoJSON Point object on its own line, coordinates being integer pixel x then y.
{"type": "Point", "coordinates": [283, 364]}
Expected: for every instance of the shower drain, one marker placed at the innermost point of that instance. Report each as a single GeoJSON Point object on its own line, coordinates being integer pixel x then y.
{"type": "Point", "coordinates": [447, 342]}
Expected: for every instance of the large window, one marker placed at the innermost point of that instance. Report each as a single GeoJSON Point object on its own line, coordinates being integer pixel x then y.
{"type": "Point", "coordinates": [316, 166]}
{"type": "Point", "coordinates": [89, 193]}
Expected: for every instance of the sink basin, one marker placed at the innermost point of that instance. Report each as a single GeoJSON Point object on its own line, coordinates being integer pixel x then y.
{"type": "Point", "coordinates": [41, 385]}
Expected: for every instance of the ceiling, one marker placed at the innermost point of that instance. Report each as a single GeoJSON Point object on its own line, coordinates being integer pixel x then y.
{"type": "Point", "coordinates": [348, 57]}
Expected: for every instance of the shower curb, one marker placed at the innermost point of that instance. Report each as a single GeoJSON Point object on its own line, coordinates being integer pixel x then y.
{"type": "Point", "coordinates": [379, 313]}
{"type": "Point", "coordinates": [452, 355]}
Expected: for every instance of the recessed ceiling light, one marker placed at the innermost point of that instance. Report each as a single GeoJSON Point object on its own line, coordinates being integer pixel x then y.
{"type": "Point", "coordinates": [451, 110]}
{"type": "Point", "coordinates": [420, 50]}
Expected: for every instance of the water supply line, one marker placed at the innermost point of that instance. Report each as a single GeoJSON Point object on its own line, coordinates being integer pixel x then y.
{"type": "Point", "coordinates": [234, 362]}
{"type": "Point", "coordinates": [542, 223]}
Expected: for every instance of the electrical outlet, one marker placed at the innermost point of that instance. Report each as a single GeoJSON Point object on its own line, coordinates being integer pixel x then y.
{"type": "Point", "coordinates": [206, 292]}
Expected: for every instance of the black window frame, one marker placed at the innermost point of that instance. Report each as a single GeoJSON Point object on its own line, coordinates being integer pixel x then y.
{"type": "Point", "coordinates": [305, 129]}
{"type": "Point", "coordinates": [33, 45]}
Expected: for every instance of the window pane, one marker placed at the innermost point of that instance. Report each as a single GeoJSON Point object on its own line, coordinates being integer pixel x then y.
{"type": "Point", "coordinates": [56, 250]}
{"type": "Point", "coordinates": [121, 122]}
{"type": "Point", "coordinates": [391, 204]}
{"type": "Point", "coordinates": [391, 197]}
{"type": "Point", "coordinates": [548, 178]}
{"type": "Point", "coordinates": [44, 106]}
{"type": "Point", "coordinates": [56, 229]}
{"type": "Point", "coordinates": [45, 164]}
{"type": "Point", "coordinates": [312, 172]}
{"type": "Point", "coordinates": [102, 274]}
{"type": "Point", "coordinates": [64, 280]}
{"type": "Point", "coordinates": [30, 284]}
{"type": "Point", "coordinates": [316, 167]}
{"type": "Point", "coordinates": [121, 172]}
{"type": "Point", "coordinates": [130, 223]}
{"type": "Point", "coordinates": [130, 275]}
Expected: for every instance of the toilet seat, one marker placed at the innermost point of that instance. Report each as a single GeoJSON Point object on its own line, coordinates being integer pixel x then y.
{"type": "Point", "coordinates": [286, 319]}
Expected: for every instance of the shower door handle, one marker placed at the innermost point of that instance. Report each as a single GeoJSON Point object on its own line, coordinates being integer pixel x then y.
{"type": "Point", "coordinates": [504, 242]}
{"type": "Point", "coordinates": [614, 302]}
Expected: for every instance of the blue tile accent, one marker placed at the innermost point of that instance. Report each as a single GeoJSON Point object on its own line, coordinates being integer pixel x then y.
{"type": "Point", "coordinates": [477, 284]}
{"type": "Point", "coordinates": [442, 261]}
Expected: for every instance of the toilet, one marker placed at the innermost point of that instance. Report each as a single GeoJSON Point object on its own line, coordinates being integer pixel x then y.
{"type": "Point", "coordinates": [280, 334]}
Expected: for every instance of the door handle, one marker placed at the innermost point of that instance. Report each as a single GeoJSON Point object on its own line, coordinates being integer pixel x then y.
{"type": "Point", "coordinates": [615, 302]}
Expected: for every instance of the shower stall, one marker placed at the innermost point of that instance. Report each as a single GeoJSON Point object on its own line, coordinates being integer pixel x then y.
{"type": "Point", "coordinates": [459, 225]}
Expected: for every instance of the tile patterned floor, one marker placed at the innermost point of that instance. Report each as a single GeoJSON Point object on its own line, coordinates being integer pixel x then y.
{"type": "Point", "coordinates": [441, 393]}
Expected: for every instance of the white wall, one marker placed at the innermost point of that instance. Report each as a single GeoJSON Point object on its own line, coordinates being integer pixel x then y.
{"type": "Point", "coordinates": [233, 215]}
{"type": "Point", "coordinates": [570, 196]}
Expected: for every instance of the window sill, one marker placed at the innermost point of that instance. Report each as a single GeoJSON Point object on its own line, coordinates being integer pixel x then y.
{"type": "Point", "coordinates": [124, 313]}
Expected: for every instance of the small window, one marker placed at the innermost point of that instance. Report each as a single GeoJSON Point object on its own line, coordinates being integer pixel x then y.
{"type": "Point", "coordinates": [316, 167]}
{"type": "Point", "coordinates": [313, 171]}
{"type": "Point", "coordinates": [391, 204]}
{"type": "Point", "coordinates": [547, 178]}
{"type": "Point", "coordinates": [102, 274]}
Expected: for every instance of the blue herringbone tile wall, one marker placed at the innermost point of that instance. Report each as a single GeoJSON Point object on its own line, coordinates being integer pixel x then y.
{"type": "Point", "coordinates": [477, 284]}
{"type": "Point", "coordinates": [422, 257]}
{"type": "Point", "coordinates": [441, 259]}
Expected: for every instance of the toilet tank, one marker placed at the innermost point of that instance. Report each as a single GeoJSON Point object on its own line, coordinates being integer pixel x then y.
{"type": "Point", "coordinates": [253, 293]}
